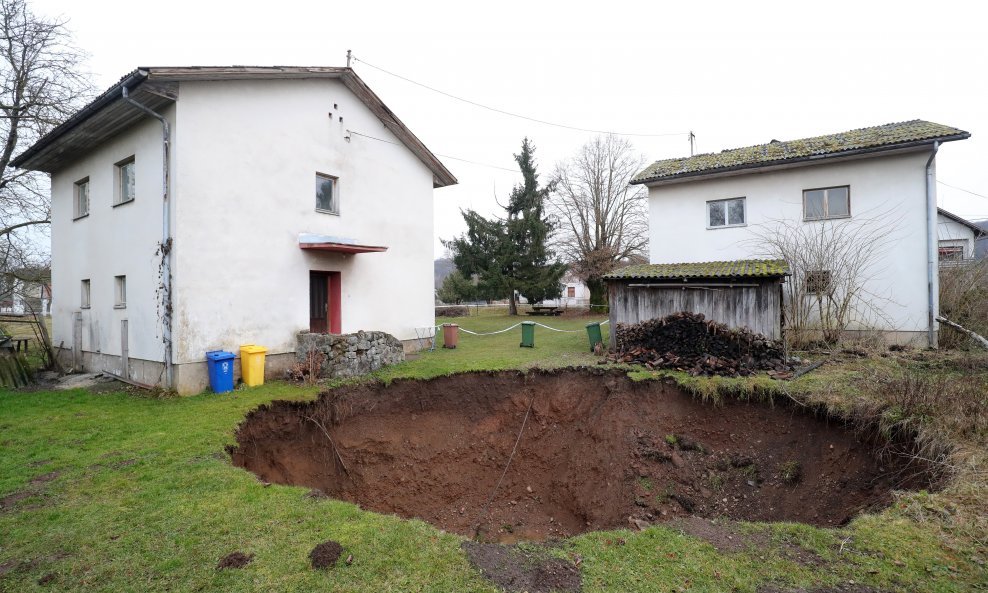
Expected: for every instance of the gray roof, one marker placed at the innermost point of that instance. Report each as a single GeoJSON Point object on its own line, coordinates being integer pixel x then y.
{"type": "Point", "coordinates": [886, 137]}
{"type": "Point", "coordinates": [978, 231]}
{"type": "Point", "coordinates": [158, 87]}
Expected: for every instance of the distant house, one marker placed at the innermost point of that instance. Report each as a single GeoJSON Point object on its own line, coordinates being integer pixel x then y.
{"type": "Point", "coordinates": [709, 207]}
{"type": "Point", "coordinates": [956, 238]}
{"type": "Point", "coordinates": [574, 293]}
{"type": "Point", "coordinates": [26, 291]}
{"type": "Point", "coordinates": [198, 209]}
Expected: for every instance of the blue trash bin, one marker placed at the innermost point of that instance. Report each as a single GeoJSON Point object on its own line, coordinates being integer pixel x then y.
{"type": "Point", "coordinates": [220, 365]}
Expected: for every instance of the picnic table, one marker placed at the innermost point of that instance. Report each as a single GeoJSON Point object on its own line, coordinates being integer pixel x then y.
{"type": "Point", "coordinates": [545, 310]}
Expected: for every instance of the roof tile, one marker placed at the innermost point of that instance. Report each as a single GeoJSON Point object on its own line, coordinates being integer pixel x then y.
{"type": "Point", "coordinates": [745, 268]}
{"type": "Point", "coordinates": [888, 136]}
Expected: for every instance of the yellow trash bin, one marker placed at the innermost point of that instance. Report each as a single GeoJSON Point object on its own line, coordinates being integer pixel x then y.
{"type": "Point", "coordinates": [252, 364]}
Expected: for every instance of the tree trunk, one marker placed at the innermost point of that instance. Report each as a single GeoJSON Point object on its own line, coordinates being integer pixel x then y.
{"type": "Point", "coordinates": [598, 291]}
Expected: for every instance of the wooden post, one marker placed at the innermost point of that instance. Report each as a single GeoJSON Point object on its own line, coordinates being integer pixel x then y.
{"type": "Point", "coordinates": [124, 350]}
{"type": "Point", "coordinates": [77, 340]}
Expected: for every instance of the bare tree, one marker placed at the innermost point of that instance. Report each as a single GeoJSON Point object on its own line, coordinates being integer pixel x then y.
{"type": "Point", "coordinates": [603, 219]}
{"type": "Point", "coordinates": [833, 263]}
{"type": "Point", "coordinates": [40, 86]}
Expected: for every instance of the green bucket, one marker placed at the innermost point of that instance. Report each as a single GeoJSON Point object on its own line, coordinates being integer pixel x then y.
{"type": "Point", "coordinates": [593, 332]}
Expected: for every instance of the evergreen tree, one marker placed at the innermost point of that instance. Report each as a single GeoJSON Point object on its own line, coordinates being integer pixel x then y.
{"type": "Point", "coordinates": [510, 254]}
{"type": "Point", "coordinates": [457, 288]}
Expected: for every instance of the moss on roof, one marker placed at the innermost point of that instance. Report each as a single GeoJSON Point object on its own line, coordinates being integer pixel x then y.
{"type": "Point", "coordinates": [745, 268]}
{"type": "Point", "coordinates": [884, 137]}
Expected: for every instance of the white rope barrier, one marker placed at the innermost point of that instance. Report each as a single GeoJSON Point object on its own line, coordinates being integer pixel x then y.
{"type": "Point", "coordinates": [501, 331]}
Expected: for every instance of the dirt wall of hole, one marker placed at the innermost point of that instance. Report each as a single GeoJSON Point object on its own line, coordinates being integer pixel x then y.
{"type": "Point", "coordinates": [598, 451]}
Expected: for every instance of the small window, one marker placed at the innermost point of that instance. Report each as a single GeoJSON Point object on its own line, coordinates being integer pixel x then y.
{"type": "Point", "coordinates": [84, 300]}
{"type": "Point", "coordinates": [125, 187]}
{"type": "Point", "coordinates": [951, 252]}
{"type": "Point", "coordinates": [81, 198]}
{"type": "Point", "coordinates": [827, 202]}
{"type": "Point", "coordinates": [326, 194]}
{"type": "Point", "coordinates": [571, 292]}
{"type": "Point", "coordinates": [723, 213]}
{"type": "Point", "coordinates": [818, 281]}
{"type": "Point", "coordinates": [120, 292]}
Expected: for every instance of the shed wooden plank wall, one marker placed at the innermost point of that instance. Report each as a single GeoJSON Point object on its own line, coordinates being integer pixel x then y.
{"type": "Point", "coordinates": [758, 308]}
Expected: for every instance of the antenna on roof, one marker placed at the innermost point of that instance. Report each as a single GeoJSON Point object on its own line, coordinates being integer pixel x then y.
{"type": "Point", "coordinates": [692, 138]}
{"type": "Point", "coordinates": [347, 58]}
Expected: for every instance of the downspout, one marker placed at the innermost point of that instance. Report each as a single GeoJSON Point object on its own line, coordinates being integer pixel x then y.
{"type": "Point", "coordinates": [166, 239]}
{"type": "Point", "coordinates": [931, 249]}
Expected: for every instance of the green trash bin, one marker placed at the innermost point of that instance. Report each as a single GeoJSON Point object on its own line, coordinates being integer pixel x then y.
{"type": "Point", "coordinates": [593, 332]}
{"type": "Point", "coordinates": [528, 334]}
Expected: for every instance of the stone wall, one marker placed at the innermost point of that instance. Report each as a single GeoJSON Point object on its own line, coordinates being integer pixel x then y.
{"type": "Point", "coordinates": [349, 355]}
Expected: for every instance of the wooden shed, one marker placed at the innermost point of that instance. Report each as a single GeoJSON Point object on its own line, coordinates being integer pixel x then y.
{"type": "Point", "coordinates": [743, 293]}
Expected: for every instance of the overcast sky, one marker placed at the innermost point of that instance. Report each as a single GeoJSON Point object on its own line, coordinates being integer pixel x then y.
{"type": "Point", "coordinates": [735, 73]}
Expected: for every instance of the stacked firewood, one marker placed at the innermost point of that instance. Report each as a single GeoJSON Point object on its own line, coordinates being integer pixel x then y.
{"type": "Point", "coordinates": [688, 342]}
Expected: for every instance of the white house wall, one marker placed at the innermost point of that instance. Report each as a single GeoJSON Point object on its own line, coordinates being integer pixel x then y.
{"type": "Point", "coordinates": [247, 154]}
{"type": "Point", "coordinates": [954, 233]}
{"type": "Point", "coordinates": [111, 241]}
{"type": "Point", "coordinates": [892, 187]}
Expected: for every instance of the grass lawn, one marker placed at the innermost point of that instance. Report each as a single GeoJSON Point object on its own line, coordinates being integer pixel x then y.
{"type": "Point", "coordinates": [122, 492]}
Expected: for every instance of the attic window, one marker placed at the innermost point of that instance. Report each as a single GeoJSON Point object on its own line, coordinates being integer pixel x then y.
{"type": "Point", "coordinates": [726, 213]}
{"type": "Point", "coordinates": [827, 202]}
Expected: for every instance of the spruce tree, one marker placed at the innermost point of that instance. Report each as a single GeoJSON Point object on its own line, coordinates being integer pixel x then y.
{"type": "Point", "coordinates": [510, 254]}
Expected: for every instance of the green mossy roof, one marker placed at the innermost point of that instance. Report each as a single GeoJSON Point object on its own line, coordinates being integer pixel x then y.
{"type": "Point", "coordinates": [888, 136]}
{"type": "Point", "coordinates": [745, 268]}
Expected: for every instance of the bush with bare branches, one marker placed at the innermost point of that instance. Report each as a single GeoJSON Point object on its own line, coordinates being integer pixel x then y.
{"type": "Point", "coordinates": [964, 300]}
{"type": "Point", "coordinates": [832, 264]}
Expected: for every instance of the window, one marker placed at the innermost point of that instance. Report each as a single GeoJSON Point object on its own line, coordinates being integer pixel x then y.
{"type": "Point", "coordinates": [326, 194]}
{"type": "Point", "coordinates": [84, 301]}
{"type": "Point", "coordinates": [81, 198]}
{"type": "Point", "coordinates": [124, 190]}
{"type": "Point", "coordinates": [818, 281]}
{"type": "Point", "coordinates": [827, 202]}
{"type": "Point", "coordinates": [951, 251]}
{"type": "Point", "coordinates": [723, 213]}
{"type": "Point", "coordinates": [120, 292]}
{"type": "Point", "coordinates": [571, 292]}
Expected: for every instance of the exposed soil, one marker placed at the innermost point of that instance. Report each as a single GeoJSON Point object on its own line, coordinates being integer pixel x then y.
{"type": "Point", "coordinates": [235, 560]}
{"type": "Point", "coordinates": [325, 554]}
{"type": "Point", "coordinates": [516, 569]}
{"type": "Point", "coordinates": [598, 451]}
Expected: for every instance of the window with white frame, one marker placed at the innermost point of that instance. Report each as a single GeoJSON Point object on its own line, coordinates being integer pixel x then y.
{"type": "Point", "coordinates": [120, 292]}
{"type": "Point", "coordinates": [827, 202]}
{"type": "Point", "coordinates": [125, 188]}
{"type": "Point", "coordinates": [84, 297]}
{"type": "Point", "coordinates": [327, 198]}
{"type": "Point", "coordinates": [726, 213]}
{"type": "Point", "coordinates": [80, 198]}
{"type": "Point", "coordinates": [951, 251]}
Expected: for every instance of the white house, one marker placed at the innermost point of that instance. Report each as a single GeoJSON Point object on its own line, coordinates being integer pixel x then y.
{"type": "Point", "coordinates": [712, 207]}
{"type": "Point", "coordinates": [574, 293]}
{"type": "Point", "coordinates": [198, 209]}
{"type": "Point", "coordinates": [956, 238]}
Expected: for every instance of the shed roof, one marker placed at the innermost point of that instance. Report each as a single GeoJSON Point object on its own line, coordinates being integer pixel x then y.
{"type": "Point", "coordinates": [158, 87]}
{"type": "Point", "coordinates": [744, 268]}
{"type": "Point", "coordinates": [887, 137]}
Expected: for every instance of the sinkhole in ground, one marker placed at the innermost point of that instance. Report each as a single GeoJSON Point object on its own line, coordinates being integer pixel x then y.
{"type": "Point", "coordinates": [598, 451]}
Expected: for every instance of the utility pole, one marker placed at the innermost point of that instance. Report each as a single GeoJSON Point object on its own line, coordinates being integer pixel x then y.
{"type": "Point", "coordinates": [692, 138]}
{"type": "Point", "coordinates": [348, 62]}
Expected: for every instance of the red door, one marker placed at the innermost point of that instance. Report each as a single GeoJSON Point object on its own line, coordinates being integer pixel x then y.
{"type": "Point", "coordinates": [324, 302]}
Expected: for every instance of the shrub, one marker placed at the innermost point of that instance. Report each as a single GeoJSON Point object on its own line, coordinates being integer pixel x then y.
{"type": "Point", "coordinates": [964, 300]}
{"type": "Point", "coordinates": [453, 311]}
